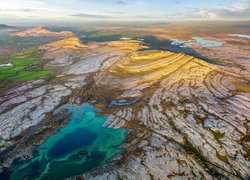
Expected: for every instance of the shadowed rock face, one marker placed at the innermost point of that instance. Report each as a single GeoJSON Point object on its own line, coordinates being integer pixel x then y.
{"type": "Point", "coordinates": [187, 119]}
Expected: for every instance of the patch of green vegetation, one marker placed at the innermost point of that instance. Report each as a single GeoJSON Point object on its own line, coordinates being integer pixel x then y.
{"type": "Point", "coordinates": [19, 43]}
{"type": "Point", "coordinates": [203, 160]}
{"type": "Point", "coordinates": [3, 60]}
{"type": "Point", "coordinates": [222, 158]}
{"type": "Point", "coordinates": [119, 178]}
{"type": "Point", "coordinates": [192, 150]}
{"type": "Point", "coordinates": [248, 154]}
{"type": "Point", "coordinates": [25, 67]}
{"type": "Point", "coordinates": [218, 136]}
{"type": "Point", "coordinates": [211, 61]}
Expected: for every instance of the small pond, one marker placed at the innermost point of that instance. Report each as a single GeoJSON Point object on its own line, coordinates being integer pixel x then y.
{"type": "Point", "coordinates": [207, 43]}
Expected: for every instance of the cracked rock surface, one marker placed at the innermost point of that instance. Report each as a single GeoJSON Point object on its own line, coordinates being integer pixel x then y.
{"type": "Point", "coordinates": [187, 119]}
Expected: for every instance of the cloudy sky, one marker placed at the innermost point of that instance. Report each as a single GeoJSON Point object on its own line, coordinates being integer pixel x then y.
{"type": "Point", "coordinates": [25, 11]}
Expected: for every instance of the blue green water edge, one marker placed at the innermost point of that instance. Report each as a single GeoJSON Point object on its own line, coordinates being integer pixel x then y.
{"type": "Point", "coordinates": [80, 146]}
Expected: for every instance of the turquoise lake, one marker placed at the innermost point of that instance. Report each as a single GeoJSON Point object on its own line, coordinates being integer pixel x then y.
{"type": "Point", "coordinates": [80, 146]}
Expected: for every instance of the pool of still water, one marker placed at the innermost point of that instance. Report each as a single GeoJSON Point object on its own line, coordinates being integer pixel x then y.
{"type": "Point", "coordinates": [74, 149]}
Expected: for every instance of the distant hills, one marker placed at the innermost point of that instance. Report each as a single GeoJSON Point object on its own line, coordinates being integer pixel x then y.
{"type": "Point", "coordinates": [42, 31]}
{"type": "Point", "coordinates": [3, 26]}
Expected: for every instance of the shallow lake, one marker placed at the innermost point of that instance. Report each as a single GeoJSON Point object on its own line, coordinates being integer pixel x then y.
{"type": "Point", "coordinates": [207, 43]}
{"type": "Point", "coordinates": [74, 149]}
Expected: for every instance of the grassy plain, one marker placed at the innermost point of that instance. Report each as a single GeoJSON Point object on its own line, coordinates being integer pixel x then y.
{"type": "Point", "coordinates": [25, 66]}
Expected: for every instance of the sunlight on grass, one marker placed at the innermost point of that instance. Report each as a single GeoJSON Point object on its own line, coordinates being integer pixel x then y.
{"type": "Point", "coordinates": [25, 67]}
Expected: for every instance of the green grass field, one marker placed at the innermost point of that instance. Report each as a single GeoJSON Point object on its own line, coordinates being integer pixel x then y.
{"type": "Point", "coordinates": [25, 67]}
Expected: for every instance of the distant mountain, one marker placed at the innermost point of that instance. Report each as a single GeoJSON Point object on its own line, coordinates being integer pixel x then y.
{"type": "Point", "coordinates": [3, 26]}
{"type": "Point", "coordinates": [42, 31]}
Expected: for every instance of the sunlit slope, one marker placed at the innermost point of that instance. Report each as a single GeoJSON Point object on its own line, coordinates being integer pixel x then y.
{"type": "Point", "coordinates": [156, 67]}
{"type": "Point", "coordinates": [150, 66]}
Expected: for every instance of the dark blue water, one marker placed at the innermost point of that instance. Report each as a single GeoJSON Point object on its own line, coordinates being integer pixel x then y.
{"type": "Point", "coordinates": [72, 141]}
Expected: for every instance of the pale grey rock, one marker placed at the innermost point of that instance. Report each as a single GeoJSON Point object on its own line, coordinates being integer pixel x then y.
{"type": "Point", "coordinates": [31, 108]}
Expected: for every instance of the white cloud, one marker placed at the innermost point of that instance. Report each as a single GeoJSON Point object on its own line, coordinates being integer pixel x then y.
{"type": "Point", "coordinates": [233, 12]}
{"type": "Point", "coordinates": [117, 10]}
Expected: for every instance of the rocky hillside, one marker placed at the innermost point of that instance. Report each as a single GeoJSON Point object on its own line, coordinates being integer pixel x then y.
{"type": "Point", "coordinates": [190, 118]}
{"type": "Point", "coordinates": [187, 119]}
